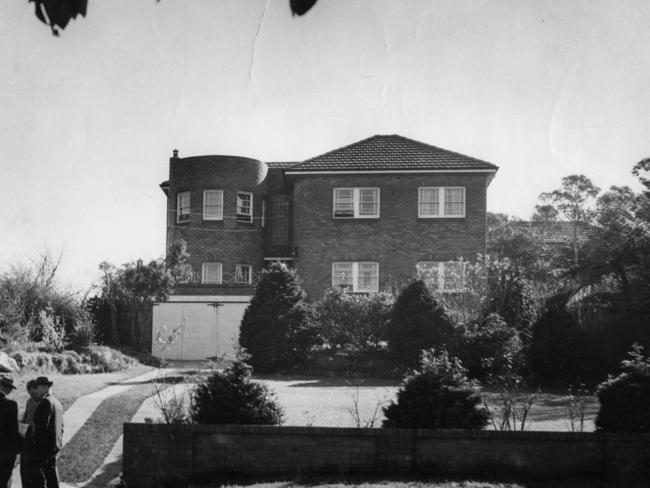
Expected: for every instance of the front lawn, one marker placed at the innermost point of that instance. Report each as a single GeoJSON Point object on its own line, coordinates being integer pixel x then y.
{"type": "Point", "coordinates": [67, 388]}
{"type": "Point", "coordinates": [334, 402]}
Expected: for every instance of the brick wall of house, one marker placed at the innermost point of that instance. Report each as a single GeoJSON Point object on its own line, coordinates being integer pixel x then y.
{"type": "Point", "coordinates": [177, 455]}
{"type": "Point", "coordinates": [398, 239]}
{"type": "Point", "coordinates": [227, 241]}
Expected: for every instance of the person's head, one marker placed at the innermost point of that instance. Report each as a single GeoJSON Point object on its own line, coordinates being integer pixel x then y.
{"type": "Point", "coordinates": [33, 390]}
{"type": "Point", "coordinates": [6, 384]}
{"type": "Point", "coordinates": [42, 385]}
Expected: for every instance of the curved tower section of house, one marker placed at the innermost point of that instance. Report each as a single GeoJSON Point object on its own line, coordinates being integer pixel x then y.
{"type": "Point", "coordinates": [215, 203]}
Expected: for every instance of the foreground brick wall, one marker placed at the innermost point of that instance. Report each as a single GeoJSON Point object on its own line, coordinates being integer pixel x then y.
{"type": "Point", "coordinates": [176, 455]}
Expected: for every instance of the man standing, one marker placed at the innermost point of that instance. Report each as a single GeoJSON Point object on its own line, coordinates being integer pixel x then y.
{"type": "Point", "coordinates": [10, 445]}
{"type": "Point", "coordinates": [47, 438]}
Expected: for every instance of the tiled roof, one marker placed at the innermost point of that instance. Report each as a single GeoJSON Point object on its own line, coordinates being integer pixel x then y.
{"type": "Point", "coordinates": [391, 152]}
{"type": "Point", "coordinates": [281, 164]}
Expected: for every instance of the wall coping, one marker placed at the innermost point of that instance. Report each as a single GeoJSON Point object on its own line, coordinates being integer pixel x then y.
{"type": "Point", "coordinates": [389, 432]}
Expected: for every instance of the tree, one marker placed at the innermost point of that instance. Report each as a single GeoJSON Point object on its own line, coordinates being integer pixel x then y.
{"type": "Point", "coordinates": [277, 328]}
{"type": "Point", "coordinates": [58, 13]}
{"type": "Point", "coordinates": [639, 170]}
{"type": "Point", "coordinates": [437, 396]}
{"type": "Point", "coordinates": [571, 201]}
{"type": "Point", "coordinates": [417, 323]}
{"type": "Point", "coordinates": [133, 287]}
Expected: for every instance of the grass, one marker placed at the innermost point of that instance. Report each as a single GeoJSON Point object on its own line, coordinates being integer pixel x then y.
{"type": "Point", "coordinates": [67, 388]}
{"type": "Point", "coordinates": [331, 402]}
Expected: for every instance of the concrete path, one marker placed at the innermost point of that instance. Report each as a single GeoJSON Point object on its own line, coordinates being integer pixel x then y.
{"type": "Point", "coordinates": [83, 407]}
{"type": "Point", "coordinates": [112, 466]}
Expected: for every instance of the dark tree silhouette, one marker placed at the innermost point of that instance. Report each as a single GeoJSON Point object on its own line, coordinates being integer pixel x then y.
{"type": "Point", "coordinates": [57, 13]}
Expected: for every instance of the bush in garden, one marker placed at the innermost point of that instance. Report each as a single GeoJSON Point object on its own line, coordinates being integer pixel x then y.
{"type": "Point", "coordinates": [556, 351]}
{"type": "Point", "coordinates": [352, 322]}
{"type": "Point", "coordinates": [231, 397]}
{"type": "Point", "coordinates": [84, 333]}
{"type": "Point", "coordinates": [52, 331]}
{"type": "Point", "coordinates": [488, 346]}
{"type": "Point", "coordinates": [277, 328]}
{"type": "Point", "coordinates": [417, 323]}
{"type": "Point", "coordinates": [625, 399]}
{"type": "Point", "coordinates": [438, 396]}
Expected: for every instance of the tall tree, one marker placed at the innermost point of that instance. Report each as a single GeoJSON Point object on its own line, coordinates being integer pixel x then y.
{"type": "Point", "coordinates": [572, 201]}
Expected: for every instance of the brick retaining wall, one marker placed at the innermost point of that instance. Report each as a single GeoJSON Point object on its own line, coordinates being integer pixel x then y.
{"type": "Point", "coordinates": [175, 455]}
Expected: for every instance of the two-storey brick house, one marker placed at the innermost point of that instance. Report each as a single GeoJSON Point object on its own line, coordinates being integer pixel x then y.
{"type": "Point", "coordinates": [361, 217]}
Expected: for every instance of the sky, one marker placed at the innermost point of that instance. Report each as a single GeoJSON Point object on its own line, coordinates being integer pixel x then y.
{"type": "Point", "coordinates": [88, 120]}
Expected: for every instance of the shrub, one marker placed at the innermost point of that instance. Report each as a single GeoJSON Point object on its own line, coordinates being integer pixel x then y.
{"type": "Point", "coordinates": [438, 396]}
{"type": "Point", "coordinates": [52, 331]}
{"type": "Point", "coordinates": [625, 399]}
{"type": "Point", "coordinates": [104, 359]}
{"type": "Point", "coordinates": [417, 323]}
{"type": "Point", "coordinates": [231, 397]}
{"type": "Point", "coordinates": [352, 322]}
{"type": "Point", "coordinates": [488, 346]}
{"type": "Point", "coordinates": [277, 329]}
{"type": "Point", "coordinates": [555, 355]}
{"type": "Point", "coordinates": [84, 333]}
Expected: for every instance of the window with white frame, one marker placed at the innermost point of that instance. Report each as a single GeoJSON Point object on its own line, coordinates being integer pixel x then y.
{"type": "Point", "coordinates": [441, 201]}
{"type": "Point", "coordinates": [243, 273]}
{"type": "Point", "coordinates": [183, 206]}
{"type": "Point", "coordinates": [355, 276]}
{"type": "Point", "coordinates": [244, 206]}
{"type": "Point", "coordinates": [212, 204]}
{"type": "Point", "coordinates": [359, 203]}
{"type": "Point", "coordinates": [443, 276]}
{"type": "Point", "coordinates": [211, 273]}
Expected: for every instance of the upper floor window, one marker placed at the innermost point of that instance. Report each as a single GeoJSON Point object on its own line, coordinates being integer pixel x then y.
{"type": "Point", "coordinates": [443, 276]}
{"type": "Point", "coordinates": [441, 201]}
{"type": "Point", "coordinates": [243, 273]}
{"type": "Point", "coordinates": [183, 206]}
{"type": "Point", "coordinates": [355, 276]}
{"type": "Point", "coordinates": [211, 273]}
{"type": "Point", "coordinates": [244, 206]}
{"type": "Point", "coordinates": [212, 204]}
{"type": "Point", "coordinates": [357, 203]}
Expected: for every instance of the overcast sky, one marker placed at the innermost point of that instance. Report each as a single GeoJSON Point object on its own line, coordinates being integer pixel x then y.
{"type": "Point", "coordinates": [88, 120]}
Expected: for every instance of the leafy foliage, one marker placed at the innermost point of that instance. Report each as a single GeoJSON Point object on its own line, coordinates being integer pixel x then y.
{"type": "Point", "coordinates": [438, 395]}
{"type": "Point", "coordinates": [490, 345]}
{"type": "Point", "coordinates": [277, 328]}
{"type": "Point", "coordinates": [231, 397]}
{"type": "Point", "coordinates": [417, 323]}
{"type": "Point", "coordinates": [625, 399]}
{"type": "Point", "coordinates": [353, 322]}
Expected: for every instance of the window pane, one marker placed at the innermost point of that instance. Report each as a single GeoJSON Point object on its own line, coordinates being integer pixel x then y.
{"type": "Point", "coordinates": [369, 201]}
{"type": "Point", "coordinates": [243, 274]}
{"type": "Point", "coordinates": [344, 202]}
{"type": "Point", "coordinates": [454, 201]}
{"type": "Point", "coordinates": [183, 206]}
{"type": "Point", "coordinates": [454, 276]}
{"type": "Point", "coordinates": [430, 272]}
{"type": "Point", "coordinates": [429, 202]}
{"type": "Point", "coordinates": [211, 272]}
{"type": "Point", "coordinates": [244, 207]}
{"type": "Point", "coordinates": [368, 277]}
{"type": "Point", "coordinates": [342, 276]}
{"type": "Point", "coordinates": [213, 204]}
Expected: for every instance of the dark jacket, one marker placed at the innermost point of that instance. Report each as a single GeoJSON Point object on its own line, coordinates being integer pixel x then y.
{"type": "Point", "coordinates": [48, 426]}
{"type": "Point", "coordinates": [9, 427]}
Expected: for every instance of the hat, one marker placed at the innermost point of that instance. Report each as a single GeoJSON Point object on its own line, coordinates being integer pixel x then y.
{"type": "Point", "coordinates": [7, 381]}
{"type": "Point", "coordinates": [43, 380]}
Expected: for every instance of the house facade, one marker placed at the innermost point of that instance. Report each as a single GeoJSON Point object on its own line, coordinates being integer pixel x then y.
{"type": "Point", "coordinates": [362, 217]}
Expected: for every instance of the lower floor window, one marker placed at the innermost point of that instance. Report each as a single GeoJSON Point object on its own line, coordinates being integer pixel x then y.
{"type": "Point", "coordinates": [443, 276]}
{"type": "Point", "coordinates": [211, 273]}
{"type": "Point", "coordinates": [243, 273]}
{"type": "Point", "coordinates": [355, 276]}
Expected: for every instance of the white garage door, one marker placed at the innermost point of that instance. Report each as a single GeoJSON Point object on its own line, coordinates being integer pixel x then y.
{"type": "Point", "coordinates": [205, 329]}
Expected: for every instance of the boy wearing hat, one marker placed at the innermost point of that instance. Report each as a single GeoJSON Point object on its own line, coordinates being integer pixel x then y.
{"type": "Point", "coordinates": [39, 455]}
{"type": "Point", "coordinates": [8, 430]}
